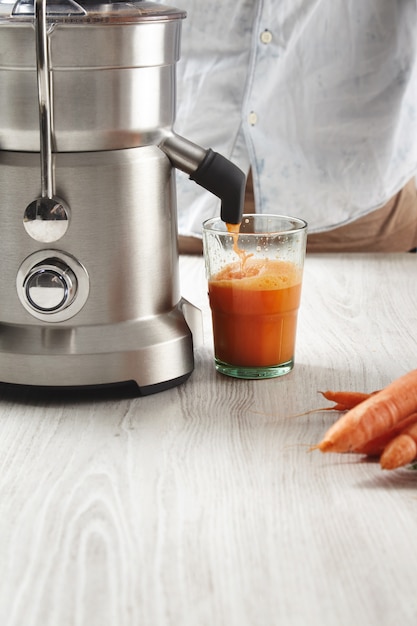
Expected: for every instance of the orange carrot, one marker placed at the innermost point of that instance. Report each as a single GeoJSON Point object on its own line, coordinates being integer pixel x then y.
{"type": "Point", "coordinates": [337, 407]}
{"type": "Point", "coordinates": [376, 446]}
{"type": "Point", "coordinates": [347, 399]}
{"type": "Point", "coordinates": [373, 417]}
{"type": "Point", "coordinates": [401, 450]}
{"type": "Point", "coordinates": [344, 400]}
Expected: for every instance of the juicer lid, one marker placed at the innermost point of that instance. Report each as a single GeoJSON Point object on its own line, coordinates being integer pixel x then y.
{"type": "Point", "coordinates": [90, 11]}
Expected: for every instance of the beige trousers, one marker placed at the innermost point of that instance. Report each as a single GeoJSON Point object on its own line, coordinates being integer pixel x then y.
{"type": "Point", "coordinates": [392, 228]}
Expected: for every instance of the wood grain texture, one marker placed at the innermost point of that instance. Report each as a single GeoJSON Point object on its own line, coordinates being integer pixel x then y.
{"type": "Point", "coordinates": [201, 506]}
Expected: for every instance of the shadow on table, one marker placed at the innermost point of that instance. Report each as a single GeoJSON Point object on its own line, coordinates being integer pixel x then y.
{"type": "Point", "coordinates": [402, 478]}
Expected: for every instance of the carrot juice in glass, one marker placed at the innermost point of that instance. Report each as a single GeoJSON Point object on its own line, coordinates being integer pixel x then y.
{"type": "Point", "coordinates": [254, 284]}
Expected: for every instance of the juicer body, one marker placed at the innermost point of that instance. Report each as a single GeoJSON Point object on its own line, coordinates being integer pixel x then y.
{"type": "Point", "coordinates": [90, 279]}
{"type": "Point", "coordinates": [122, 244]}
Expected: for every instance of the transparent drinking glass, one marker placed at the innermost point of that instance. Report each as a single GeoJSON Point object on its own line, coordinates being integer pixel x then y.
{"type": "Point", "coordinates": [254, 285]}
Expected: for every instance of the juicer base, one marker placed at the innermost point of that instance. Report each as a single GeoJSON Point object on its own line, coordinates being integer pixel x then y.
{"type": "Point", "coordinates": [18, 392]}
{"type": "Point", "coordinates": [156, 353]}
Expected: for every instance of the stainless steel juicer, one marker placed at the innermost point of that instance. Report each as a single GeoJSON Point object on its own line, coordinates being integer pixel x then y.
{"type": "Point", "coordinates": [89, 284]}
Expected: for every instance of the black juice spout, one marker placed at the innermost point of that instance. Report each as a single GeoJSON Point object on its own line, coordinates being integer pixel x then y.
{"type": "Point", "coordinates": [226, 181]}
{"type": "Point", "coordinates": [210, 170]}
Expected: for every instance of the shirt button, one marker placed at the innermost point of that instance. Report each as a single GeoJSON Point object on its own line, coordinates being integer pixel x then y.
{"type": "Point", "coordinates": [266, 36]}
{"type": "Point", "coordinates": [252, 118]}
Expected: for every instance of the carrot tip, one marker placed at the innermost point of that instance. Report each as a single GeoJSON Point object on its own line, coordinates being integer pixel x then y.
{"type": "Point", "coordinates": [319, 410]}
{"type": "Point", "coordinates": [323, 446]}
{"type": "Point", "coordinates": [326, 446]}
{"type": "Point", "coordinates": [389, 466]}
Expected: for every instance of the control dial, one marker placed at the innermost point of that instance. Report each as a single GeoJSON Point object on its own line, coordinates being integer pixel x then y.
{"type": "Point", "coordinates": [52, 285]}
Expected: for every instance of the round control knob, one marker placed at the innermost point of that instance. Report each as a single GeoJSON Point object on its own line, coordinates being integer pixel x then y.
{"type": "Point", "coordinates": [50, 286]}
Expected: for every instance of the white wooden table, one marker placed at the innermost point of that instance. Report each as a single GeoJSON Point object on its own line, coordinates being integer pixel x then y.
{"type": "Point", "coordinates": [201, 506]}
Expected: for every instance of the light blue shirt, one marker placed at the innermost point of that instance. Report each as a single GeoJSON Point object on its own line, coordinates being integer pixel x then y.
{"type": "Point", "coordinates": [319, 97]}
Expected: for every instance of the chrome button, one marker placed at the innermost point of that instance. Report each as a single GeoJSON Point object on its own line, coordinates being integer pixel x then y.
{"type": "Point", "coordinates": [50, 287]}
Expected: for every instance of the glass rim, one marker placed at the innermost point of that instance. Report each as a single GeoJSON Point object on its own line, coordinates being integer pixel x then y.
{"type": "Point", "coordinates": [301, 225]}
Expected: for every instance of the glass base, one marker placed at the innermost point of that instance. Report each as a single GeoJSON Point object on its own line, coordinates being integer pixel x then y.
{"type": "Point", "coordinates": [254, 373]}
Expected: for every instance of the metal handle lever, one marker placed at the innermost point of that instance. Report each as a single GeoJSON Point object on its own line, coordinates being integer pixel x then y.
{"type": "Point", "coordinates": [46, 218]}
{"type": "Point", "coordinates": [44, 97]}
